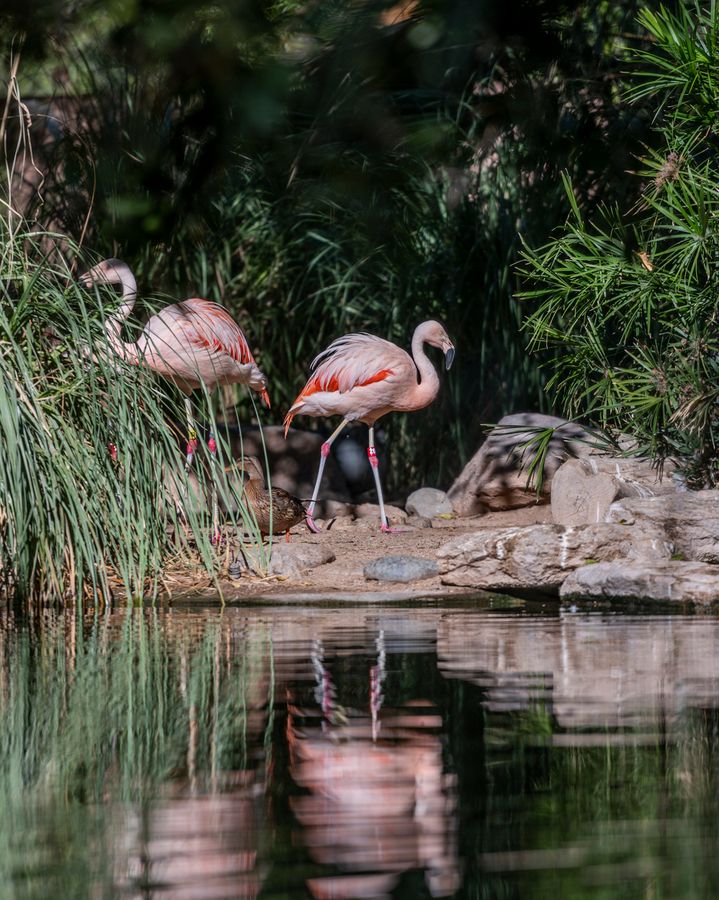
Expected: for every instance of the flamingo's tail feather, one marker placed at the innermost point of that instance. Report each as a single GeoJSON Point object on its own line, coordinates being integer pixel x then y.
{"type": "Point", "coordinates": [288, 420]}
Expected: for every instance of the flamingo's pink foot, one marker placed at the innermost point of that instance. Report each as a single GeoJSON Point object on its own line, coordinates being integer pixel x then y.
{"type": "Point", "coordinates": [216, 538]}
{"type": "Point", "coordinates": [390, 529]}
{"type": "Point", "coordinates": [311, 524]}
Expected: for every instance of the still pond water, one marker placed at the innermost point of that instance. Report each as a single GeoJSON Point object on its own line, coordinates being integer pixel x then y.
{"type": "Point", "coordinates": [493, 749]}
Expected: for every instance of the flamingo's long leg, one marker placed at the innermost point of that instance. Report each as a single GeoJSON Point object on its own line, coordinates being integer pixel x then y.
{"type": "Point", "coordinates": [374, 462]}
{"type": "Point", "coordinates": [324, 453]}
{"type": "Point", "coordinates": [191, 434]}
{"type": "Point", "coordinates": [181, 504]}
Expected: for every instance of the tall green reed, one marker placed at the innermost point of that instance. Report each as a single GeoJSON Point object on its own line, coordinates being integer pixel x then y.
{"type": "Point", "coordinates": [73, 519]}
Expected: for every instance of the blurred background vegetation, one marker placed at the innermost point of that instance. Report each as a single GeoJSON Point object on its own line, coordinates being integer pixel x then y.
{"type": "Point", "coordinates": [322, 167]}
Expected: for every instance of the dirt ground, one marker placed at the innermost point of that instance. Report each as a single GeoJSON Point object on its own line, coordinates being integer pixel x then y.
{"type": "Point", "coordinates": [355, 545]}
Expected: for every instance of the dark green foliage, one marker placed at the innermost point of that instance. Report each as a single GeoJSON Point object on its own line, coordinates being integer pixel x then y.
{"type": "Point", "coordinates": [329, 167]}
{"type": "Point", "coordinates": [628, 301]}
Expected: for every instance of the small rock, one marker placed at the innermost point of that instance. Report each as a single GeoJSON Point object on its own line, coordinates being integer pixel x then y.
{"type": "Point", "coordinates": [335, 509]}
{"type": "Point", "coordinates": [293, 559]}
{"type": "Point", "coordinates": [237, 568]}
{"type": "Point", "coordinates": [400, 568]}
{"type": "Point", "coordinates": [428, 503]}
{"type": "Point", "coordinates": [395, 515]}
{"type": "Point", "coordinates": [419, 522]}
{"type": "Point", "coordinates": [668, 580]}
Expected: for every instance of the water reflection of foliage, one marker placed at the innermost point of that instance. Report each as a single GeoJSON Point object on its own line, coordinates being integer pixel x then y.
{"type": "Point", "coordinates": [106, 711]}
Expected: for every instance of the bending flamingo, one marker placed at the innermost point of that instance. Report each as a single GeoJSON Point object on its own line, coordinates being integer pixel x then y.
{"type": "Point", "coordinates": [361, 378]}
{"type": "Point", "coordinates": [193, 343]}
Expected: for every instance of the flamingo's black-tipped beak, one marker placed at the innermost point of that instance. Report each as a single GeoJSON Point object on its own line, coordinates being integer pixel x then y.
{"type": "Point", "coordinates": [448, 357]}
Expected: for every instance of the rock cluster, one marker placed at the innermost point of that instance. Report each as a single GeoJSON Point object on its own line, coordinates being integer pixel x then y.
{"type": "Point", "coordinates": [621, 530]}
{"type": "Point", "coordinates": [622, 527]}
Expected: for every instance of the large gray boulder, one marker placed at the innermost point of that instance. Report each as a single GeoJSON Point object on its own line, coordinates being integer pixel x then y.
{"type": "Point", "coordinates": [690, 520]}
{"type": "Point", "coordinates": [584, 489]}
{"type": "Point", "coordinates": [541, 556]}
{"type": "Point", "coordinates": [664, 580]}
{"type": "Point", "coordinates": [497, 475]}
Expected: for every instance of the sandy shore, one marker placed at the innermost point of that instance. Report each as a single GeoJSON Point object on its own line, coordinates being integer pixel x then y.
{"type": "Point", "coordinates": [354, 547]}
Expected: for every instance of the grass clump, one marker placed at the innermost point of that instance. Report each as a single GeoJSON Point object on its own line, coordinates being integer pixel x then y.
{"type": "Point", "coordinates": [93, 491]}
{"type": "Point", "coordinates": [70, 514]}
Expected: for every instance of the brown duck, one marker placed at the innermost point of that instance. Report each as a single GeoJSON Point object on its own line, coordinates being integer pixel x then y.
{"type": "Point", "coordinates": [286, 509]}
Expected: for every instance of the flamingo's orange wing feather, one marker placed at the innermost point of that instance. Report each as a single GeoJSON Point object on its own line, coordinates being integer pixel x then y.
{"type": "Point", "coordinates": [352, 361]}
{"type": "Point", "coordinates": [332, 382]}
{"type": "Point", "coordinates": [324, 382]}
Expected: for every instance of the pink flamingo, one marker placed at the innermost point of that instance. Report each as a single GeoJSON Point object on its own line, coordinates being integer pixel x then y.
{"type": "Point", "coordinates": [361, 378]}
{"type": "Point", "coordinates": [193, 343]}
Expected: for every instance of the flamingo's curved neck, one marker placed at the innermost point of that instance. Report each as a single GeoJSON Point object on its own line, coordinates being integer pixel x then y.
{"type": "Point", "coordinates": [113, 325]}
{"type": "Point", "coordinates": [428, 386]}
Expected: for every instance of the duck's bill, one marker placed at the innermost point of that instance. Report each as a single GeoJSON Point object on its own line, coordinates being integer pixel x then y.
{"type": "Point", "coordinates": [448, 358]}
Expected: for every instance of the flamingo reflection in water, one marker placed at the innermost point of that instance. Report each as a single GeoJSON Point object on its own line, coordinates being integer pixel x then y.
{"type": "Point", "coordinates": [378, 802]}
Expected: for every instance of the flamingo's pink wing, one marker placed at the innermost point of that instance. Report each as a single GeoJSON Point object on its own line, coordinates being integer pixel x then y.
{"type": "Point", "coordinates": [352, 361]}
{"type": "Point", "coordinates": [210, 326]}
